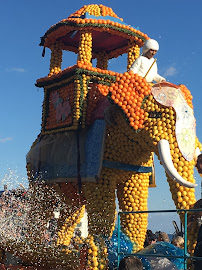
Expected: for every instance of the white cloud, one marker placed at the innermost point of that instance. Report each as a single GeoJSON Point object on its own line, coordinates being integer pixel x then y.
{"type": "Point", "coordinates": [15, 69]}
{"type": "Point", "coordinates": [6, 139]}
{"type": "Point", "coordinates": [171, 71]}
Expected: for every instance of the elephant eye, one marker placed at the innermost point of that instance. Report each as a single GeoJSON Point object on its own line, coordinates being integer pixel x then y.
{"type": "Point", "coordinates": [154, 114]}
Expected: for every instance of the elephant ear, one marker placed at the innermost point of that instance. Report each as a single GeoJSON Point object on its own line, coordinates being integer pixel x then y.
{"type": "Point", "coordinates": [168, 95]}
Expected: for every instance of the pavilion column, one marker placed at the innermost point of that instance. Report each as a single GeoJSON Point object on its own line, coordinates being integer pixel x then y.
{"type": "Point", "coordinates": [133, 54]}
{"type": "Point", "coordinates": [85, 48]}
{"type": "Point", "coordinates": [56, 58]}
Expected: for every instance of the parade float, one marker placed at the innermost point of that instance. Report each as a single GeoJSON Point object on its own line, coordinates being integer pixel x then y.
{"type": "Point", "coordinates": [82, 161]}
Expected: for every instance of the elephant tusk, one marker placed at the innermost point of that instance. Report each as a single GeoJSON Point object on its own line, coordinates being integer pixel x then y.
{"type": "Point", "coordinates": [165, 157]}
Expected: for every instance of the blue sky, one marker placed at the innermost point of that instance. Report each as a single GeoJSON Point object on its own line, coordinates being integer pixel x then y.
{"type": "Point", "coordinates": [175, 24]}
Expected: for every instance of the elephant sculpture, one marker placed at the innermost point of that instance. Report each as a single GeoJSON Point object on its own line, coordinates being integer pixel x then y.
{"type": "Point", "coordinates": [147, 120]}
{"type": "Point", "coordinates": [155, 119]}
{"type": "Point", "coordinates": [141, 120]}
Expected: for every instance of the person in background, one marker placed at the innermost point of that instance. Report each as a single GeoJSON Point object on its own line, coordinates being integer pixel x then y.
{"type": "Point", "coordinates": [146, 242]}
{"type": "Point", "coordinates": [145, 65]}
{"type": "Point", "coordinates": [162, 236]}
{"type": "Point", "coordinates": [150, 239]}
{"type": "Point", "coordinates": [130, 263]}
{"type": "Point", "coordinates": [178, 241]}
{"type": "Point", "coordinates": [199, 164]}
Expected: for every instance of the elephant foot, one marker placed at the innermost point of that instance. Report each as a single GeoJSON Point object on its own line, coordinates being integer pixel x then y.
{"type": "Point", "coordinates": [66, 232]}
{"type": "Point", "coordinates": [95, 251]}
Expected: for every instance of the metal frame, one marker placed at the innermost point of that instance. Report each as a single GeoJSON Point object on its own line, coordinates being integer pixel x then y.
{"type": "Point", "coordinates": [186, 254]}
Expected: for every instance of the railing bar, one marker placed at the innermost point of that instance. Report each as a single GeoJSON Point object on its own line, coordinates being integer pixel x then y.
{"type": "Point", "coordinates": [185, 257]}
{"type": "Point", "coordinates": [119, 232]}
{"type": "Point", "coordinates": [155, 255]}
{"type": "Point", "coordinates": [161, 211]}
{"type": "Point", "coordinates": [161, 255]}
{"type": "Point", "coordinates": [185, 241]}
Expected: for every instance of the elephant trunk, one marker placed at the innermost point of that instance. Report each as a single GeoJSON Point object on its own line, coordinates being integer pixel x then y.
{"type": "Point", "coordinates": [166, 160]}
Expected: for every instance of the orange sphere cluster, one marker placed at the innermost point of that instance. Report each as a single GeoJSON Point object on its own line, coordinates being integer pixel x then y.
{"type": "Point", "coordinates": [132, 187]}
{"type": "Point", "coordinates": [133, 54]}
{"type": "Point", "coordinates": [77, 100]}
{"type": "Point", "coordinates": [102, 10]}
{"type": "Point", "coordinates": [128, 93]}
{"type": "Point", "coordinates": [96, 10]}
{"type": "Point", "coordinates": [164, 128]}
{"type": "Point", "coordinates": [95, 69]}
{"type": "Point", "coordinates": [85, 47]}
{"type": "Point", "coordinates": [107, 11]}
{"type": "Point", "coordinates": [103, 89]}
{"type": "Point", "coordinates": [66, 233]}
{"type": "Point", "coordinates": [104, 193]}
{"type": "Point", "coordinates": [56, 58]}
{"type": "Point", "coordinates": [92, 10]}
{"type": "Point", "coordinates": [192, 238]}
{"type": "Point", "coordinates": [100, 203]}
{"type": "Point", "coordinates": [187, 95]}
{"type": "Point", "coordinates": [134, 198]}
{"type": "Point", "coordinates": [98, 20]}
{"type": "Point", "coordinates": [85, 92]}
{"type": "Point", "coordinates": [97, 254]}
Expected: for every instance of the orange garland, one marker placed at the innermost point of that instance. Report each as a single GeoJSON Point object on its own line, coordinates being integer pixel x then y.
{"type": "Point", "coordinates": [187, 95]}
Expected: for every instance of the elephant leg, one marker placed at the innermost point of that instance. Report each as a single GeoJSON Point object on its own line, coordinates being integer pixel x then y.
{"type": "Point", "coordinates": [42, 202]}
{"type": "Point", "coordinates": [132, 195]}
{"type": "Point", "coordinates": [66, 232]}
{"type": "Point", "coordinates": [96, 250]}
{"type": "Point", "coordinates": [100, 203]}
{"type": "Point", "coordinates": [101, 209]}
{"type": "Point", "coordinates": [71, 212]}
